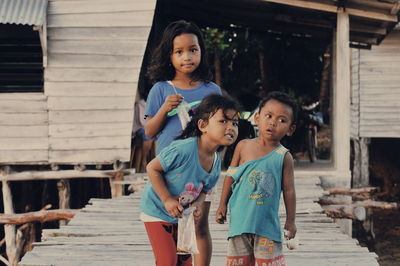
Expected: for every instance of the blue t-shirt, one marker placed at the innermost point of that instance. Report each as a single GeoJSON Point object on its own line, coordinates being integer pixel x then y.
{"type": "Point", "coordinates": [254, 203]}
{"type": "Point", "coordinates": [172, 127]}
{"type": "Point", "coordinates": [184, 177]}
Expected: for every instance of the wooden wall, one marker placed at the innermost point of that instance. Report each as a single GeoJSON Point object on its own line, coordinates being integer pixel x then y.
{"type": "Point", "coordinates": [95, 51]}
{"type": "Point", "coordinates": [379, 89]}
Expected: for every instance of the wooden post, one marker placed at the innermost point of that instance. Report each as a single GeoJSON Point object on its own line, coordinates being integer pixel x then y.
{"type": "Point", "coordinates": [341, 104]}
{"type": "Point", "coordinates": [64, 195]}
{"type": "Point", "coordinates": [361, 163]}
{"type": "Point", "coordinates": [9, 230]}
{"type": "Point", "coordinates": [341, 96]}
{"type": "Point", "coordinates": [117, 190]}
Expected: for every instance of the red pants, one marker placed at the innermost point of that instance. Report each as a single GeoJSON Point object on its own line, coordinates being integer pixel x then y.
{"type": "Point", "coordinates": [163, 236]}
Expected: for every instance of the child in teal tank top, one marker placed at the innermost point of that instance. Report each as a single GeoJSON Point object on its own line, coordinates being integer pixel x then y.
{"type": "Point", "coordinates": [260, 169]}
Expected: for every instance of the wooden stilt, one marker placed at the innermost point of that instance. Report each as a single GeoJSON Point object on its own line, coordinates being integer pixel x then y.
{"type": "Point", "coordinates": [64, 195]}
{"type": "Point", "coordinates": [9, 230]}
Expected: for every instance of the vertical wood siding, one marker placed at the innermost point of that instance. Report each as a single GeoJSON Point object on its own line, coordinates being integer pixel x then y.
{"type": "Point", "coordinates": [355, 94]}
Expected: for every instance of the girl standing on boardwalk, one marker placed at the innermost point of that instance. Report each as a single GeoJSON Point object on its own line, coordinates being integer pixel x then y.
{"type": "Point", "coordinates": [260, 169]}
{"type": "Point", "coordinates": [180, 69]}
{"type": "Point", "coordinates": [187, 169]}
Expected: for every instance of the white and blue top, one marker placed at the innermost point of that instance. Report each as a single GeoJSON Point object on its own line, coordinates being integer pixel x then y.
{"type": "Point", "coordinates": [184, 177]}
{"type": "Point", "coordinates": [254, 203]}
{"type": "Point", "coordinates": [172, 127]}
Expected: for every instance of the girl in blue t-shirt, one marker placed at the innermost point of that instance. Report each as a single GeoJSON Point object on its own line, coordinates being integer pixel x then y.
{"type": "Point", "coordinates": [184, 172]}
{"type": "Point", "coordinates": [182, 78]}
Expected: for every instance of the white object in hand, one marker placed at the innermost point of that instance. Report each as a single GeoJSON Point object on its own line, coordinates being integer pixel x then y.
{"type": "Point", "coordinates": [292, 243]}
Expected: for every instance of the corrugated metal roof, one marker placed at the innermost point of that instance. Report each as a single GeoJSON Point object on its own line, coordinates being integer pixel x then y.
{"type": "Point", "coordinates": [27, 12]}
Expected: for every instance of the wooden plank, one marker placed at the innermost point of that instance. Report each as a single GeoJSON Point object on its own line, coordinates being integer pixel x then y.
{"type": "Point", "coordinates": [99, 61]}
{"type": "Point", "coordinates": [22, 106]}
{"type": "Point", "coordinates": [90, 103]}
{"type": "Point", "coordinates": [103, 47]}
{"type": "Point", "coordinates": [109, 89]}
{"type": "Point", "coordinates": [114, 142]}
{"type": "Point", "coordinates": [90, 116]}
{"type": "Point", "coordinates": [333, 9]}
{"type": "Point", "coordinates": [85, 33]}
{"type": "Point", "coordinates": [23, 119]}
{"type": "Point", "coordinates": [90, 130]}
{"type": "Point", "coordinates": [101, 6]}
{"type": "Point", "coordinates": [92, 74]}
{"type": "Point", "coordinates": [23, 156]}
{"type": "Point", "coordinates": [24, 143]}
{"type": "Point", "coordinates": [23, 96]}
{"type": "Point", "coordinates": [120, 19]}
{"type": "Point", "coordinates": [89, 156]}
{"type": "Point", "coordinates": [23, 131]}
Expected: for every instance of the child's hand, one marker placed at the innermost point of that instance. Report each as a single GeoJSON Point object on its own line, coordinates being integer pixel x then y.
{"type": "Point", "coordinates": [172, 101]}
{"type": "Point", "coordinates": [173, 207]}
{"type": "Point", "coordinates": [290, 230]}
{"type": "Point", "coordinates": [197, 214]}
{"type": "Point", "coordinates": [220, 215]}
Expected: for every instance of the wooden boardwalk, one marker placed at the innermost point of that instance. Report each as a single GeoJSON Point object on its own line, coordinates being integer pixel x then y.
{"type": "Point", "coordinates": [109, 232]}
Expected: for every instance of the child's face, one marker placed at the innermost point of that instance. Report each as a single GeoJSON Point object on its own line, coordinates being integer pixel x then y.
{"type": "Point", "coordinates": [274, 120]}
{"type": "Point", "coordinates": [186, 53]}
{"type": "Point", "coordinates": [221, 128]}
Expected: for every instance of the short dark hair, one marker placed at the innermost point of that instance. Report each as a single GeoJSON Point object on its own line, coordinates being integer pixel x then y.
{"type": "Point", "coordinates": [283, 98]}
{"type": "Point", "coordinates": [207, 108]}
{"type": "Point", "coordinates": [161, 68]}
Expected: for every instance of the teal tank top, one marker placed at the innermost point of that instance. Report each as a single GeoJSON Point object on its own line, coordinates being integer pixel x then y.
{"type": "Point", "coordinates": [254, 203]}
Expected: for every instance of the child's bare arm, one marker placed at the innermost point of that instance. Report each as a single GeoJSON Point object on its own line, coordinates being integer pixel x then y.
{"type": "Point", "coordinates": [171, 204]}
{"type": "Point", "coordinates": [227, 188]}
{"type": "Point", "coordinates": [289, 196]}
{"type": "Point", "coordinates": [154, 124]}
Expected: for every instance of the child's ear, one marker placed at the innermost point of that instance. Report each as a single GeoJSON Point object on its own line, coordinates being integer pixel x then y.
{"type": "Point", "coordinates": [202, 125]}
{"type": "Point", "coordinates": [257, 117]}
{"type": "Point", "coordinates": [291, 130]}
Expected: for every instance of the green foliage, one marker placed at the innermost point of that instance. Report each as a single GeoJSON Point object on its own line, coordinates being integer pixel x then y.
{"type": "Point", "coordinates": [292, 63]}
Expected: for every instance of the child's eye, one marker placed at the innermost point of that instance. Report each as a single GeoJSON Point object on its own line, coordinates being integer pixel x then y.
{"type": "Point", "coordinates": [268, 116]}
{"type": "Point", "coordinates": [280, 120]}
{"type": "Point", "coordinates": [236, 123]}
{"type": "Point", "coordinates": [222, 121]}
{"type": "Point", "coordinates": [193, 50]}
{"type": "Point", "coordinates": [178, 52]}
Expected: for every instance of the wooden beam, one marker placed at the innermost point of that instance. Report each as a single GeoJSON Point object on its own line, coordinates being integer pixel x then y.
{"type": "Point", "coordinates": [334, 9]}
{"type": "Point", "coordinates": [38, 216]}
{"type": "Point", "coordinates": [54, 175]}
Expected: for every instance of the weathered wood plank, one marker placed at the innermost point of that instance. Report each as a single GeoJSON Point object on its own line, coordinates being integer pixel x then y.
{"type": "Point", "coordinates": [89, 116]}
{"type": "Point", "coordinates": [89, 156]}
{"type": "Point", "coordinates": [101, 6]}
{"type": "Point", "coordinates": [24, 131]}
{"type": "Point", "coordinates": [98, 61]}
{"type": "Point", "coordinates": [22, 106]}
{"type": "Point", "coordinates": [89, 130]}
{"type": "Point", "coordinates": [21, 156]}
{"type": "Point", "coordinates": [121, 19]}
{"type": "Point", "coordinates": [91, 143]}
{"type": "Point", "coordinates": [24, 143]}
{"type": "Point", "coordinates": [99, 34]}
{"type": "Point", "coordinates": [103, 47]}
{"type": "Point", "coordinates": [90, 103]}
{"type": "Point", "coordinates": [91, 89]}
{"type": "Point", "coordinates": [23, 119]}
{"type": "Point", "coordinates": [92, 74]}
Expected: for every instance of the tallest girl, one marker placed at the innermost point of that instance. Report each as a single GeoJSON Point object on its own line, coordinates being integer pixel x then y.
{"type": "Point", "coordinates": [180, 69]}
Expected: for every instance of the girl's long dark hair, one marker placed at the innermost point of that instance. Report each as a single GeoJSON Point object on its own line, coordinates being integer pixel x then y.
{"type": "Point", "coordinates": [207, 108]}
{"type": "Point", "coordinates": [161, 69]}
